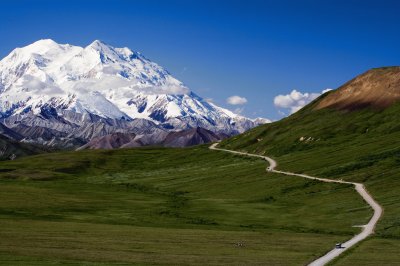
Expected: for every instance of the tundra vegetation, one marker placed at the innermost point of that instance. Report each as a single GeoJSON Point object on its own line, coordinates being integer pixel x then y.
{"type": "Point", "coordinates": [359, 145]}
{"type": "Point", "coordinates": [167, 206]}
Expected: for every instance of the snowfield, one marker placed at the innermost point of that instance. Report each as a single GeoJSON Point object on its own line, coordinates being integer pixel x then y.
{"type": "Point", "coordinates": [107, 82]}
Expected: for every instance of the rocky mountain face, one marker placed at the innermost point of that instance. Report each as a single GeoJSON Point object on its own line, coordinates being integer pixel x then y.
{"type": "Point", "coordinates": [110, 141]}
{"type": "Point", "coordinates": [11, 147]}
{"type": "Point", "coordinates": [191, 137]}
{"type": "Point", "coordinates": [65, 95]}
{"type": "Point", "coordinates": [8, 133]}
{"type": "Point", "coordinates": [183, 138]}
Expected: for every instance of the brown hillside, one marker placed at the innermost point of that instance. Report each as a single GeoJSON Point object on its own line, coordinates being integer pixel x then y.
{"type": "Point", "coordinates": [377, 88]}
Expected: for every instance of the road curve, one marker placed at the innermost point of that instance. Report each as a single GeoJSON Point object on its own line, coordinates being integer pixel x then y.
{"type": "Point", "coordinates": [367, 230]}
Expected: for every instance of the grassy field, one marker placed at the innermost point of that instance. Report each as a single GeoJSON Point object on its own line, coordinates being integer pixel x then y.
{"type": "Point", "coordinates": [361, 146]}
{"type": "Point", "coordinates": [376, 251]}
{"type": "Point", "coordinates": [30, 242]}
{"type": "Point", "coordinates": [167, 206]}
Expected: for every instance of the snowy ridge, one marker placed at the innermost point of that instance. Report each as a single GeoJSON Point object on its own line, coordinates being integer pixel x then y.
{"type": "Point", "coordinates": [105, 82]}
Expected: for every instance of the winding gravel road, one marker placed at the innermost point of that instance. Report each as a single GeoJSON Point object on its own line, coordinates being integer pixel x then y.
{"type": "Point", "coordinates": [367, 230]}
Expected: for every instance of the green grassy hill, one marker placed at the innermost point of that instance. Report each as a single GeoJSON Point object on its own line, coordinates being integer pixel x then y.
{"type": "Point", "coordinates": [167, 206]}
{"type": "Point", "coordinates": [361, 145]}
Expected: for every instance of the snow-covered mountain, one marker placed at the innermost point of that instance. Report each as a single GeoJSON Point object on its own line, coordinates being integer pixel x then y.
{"type": "Point", "coordinates": [97, 90]}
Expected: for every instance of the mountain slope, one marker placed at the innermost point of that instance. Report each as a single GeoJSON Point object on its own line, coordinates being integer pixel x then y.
{"type": "Point", "coordinates": [11, 134]}
{"type": "Point", "coordinates": [68, 88]}
{"type": "Point", "coordinates": [336, 114]}
{"type": "Point", "coordinates": [11, 148]}
{"type": "Point", "coordinates": [355, 137]}
{"type": "Point", "coordinates": [377, 88]}
{"type": "Point", "coordinates": [111, 141]}
{"type": "Point", "coordinates": [183, 138]}
{"type": "Point", "coordinates": [191, 137]}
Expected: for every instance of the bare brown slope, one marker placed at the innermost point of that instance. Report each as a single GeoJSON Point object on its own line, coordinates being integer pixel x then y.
{"type": "Point", "coordinates": [377, 88]}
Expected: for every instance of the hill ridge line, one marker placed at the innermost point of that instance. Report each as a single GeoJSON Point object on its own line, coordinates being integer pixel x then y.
{"type": "Point", "coordinates": [367, 230]}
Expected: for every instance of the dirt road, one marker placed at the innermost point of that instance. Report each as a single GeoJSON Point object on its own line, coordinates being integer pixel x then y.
{"type": "Point", "coordinates": [367, 230]}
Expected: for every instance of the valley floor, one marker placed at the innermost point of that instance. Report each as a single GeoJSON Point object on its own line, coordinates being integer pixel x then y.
{"type": "Point", "coordinates": [28, 242]}
{"type": "Point", "coordinates": [167, 206]}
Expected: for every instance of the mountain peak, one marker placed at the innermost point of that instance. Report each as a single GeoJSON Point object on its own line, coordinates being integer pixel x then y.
{"type": "Point", "coordinates": [41, 46]}
{"type": "Point", "coordinates": [98, 45]}
{"type": "Point", "coordinates": [45, 41]}
{"type": "Point", "coordinates": [377, 88]}
{"type": "Point", "coordinates": [106, 53]}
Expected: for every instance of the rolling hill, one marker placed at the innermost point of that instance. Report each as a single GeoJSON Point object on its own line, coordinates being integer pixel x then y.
{"type": "Point", "coordinates": [351, 133]}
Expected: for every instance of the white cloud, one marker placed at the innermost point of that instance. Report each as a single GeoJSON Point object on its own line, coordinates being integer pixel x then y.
{"type": "Point", "coordinates": [295, 100]}
{"type": "Point", "coordinates": [236, 100]}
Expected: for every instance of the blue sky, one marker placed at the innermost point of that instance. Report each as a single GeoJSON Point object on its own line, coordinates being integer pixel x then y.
{"type": "Point", "coordinates": [253, 49]}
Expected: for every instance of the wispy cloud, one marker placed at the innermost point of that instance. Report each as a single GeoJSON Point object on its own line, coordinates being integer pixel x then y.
{"type": "Point", "coordinates": [184, 69]}
{"type": "Point", "coordinates": [239, 110]}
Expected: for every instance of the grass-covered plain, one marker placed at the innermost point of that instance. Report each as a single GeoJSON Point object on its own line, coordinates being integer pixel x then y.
{"type": "Point", "coordinates": [167, 206]}
{"type": "Point", "coordinates": [361, 146]}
